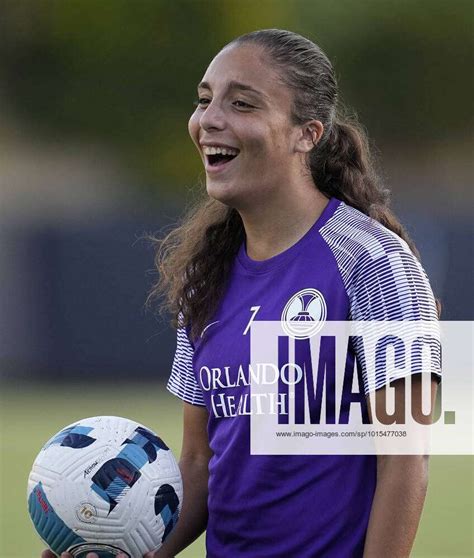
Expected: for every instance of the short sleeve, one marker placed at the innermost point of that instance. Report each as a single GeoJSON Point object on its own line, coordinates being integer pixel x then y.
{"type": "Point", "coordinates": [182, 381]}
{"type": "Point", "coordinates": [393, 286]}
{"type": "Point", "coordinates": [384, 281]}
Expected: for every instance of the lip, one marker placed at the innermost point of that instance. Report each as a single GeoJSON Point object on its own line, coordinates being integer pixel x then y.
{"type": "Point", "coordinates": [214, 170]}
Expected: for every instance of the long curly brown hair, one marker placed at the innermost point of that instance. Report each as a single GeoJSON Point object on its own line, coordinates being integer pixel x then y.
{"type": "Point", "coordinates": [194, 260]}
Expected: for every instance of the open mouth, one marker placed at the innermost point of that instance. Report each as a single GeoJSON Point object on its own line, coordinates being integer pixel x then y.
{"type": "Point", "coordinates": [218, 157]}
{"type": "Point", "coordinates": [219, 160]}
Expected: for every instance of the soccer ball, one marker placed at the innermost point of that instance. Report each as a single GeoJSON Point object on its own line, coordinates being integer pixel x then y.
{"type": "Point", "coordinates": [105, 485]}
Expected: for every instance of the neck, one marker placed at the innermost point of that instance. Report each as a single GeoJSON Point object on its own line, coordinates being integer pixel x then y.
{"type": "Point", "coordinates": [275, 225]}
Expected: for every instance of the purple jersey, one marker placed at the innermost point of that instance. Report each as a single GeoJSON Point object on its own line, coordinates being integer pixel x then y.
{"type": "Point", "coordinates": [294, 506]}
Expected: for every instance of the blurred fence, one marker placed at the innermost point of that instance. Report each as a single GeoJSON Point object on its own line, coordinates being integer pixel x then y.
{"type": "Point", "coordinates": [73, 303]}
{"type": "Point", "coordinates": [74, 294]}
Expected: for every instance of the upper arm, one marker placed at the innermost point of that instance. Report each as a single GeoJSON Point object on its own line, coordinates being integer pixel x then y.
{"type": "Point", "coordinates": [195, 437]}
{"type": "Point", "coordinates": [398, 416]}
{"type": "Point", "coordinates": [183, 384]}
{"type": "Point", "coordinates": [399, 463]}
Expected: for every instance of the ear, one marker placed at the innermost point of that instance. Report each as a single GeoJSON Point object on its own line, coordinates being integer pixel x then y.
{"type": "Point", "coordinates": [309, 135]}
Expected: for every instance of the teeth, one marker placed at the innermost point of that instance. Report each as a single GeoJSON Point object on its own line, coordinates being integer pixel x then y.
{"type": "Point", "coordinates": [219, 150]}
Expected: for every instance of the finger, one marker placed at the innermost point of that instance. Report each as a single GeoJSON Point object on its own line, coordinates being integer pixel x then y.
{"type": "Point", "coordinates": [92, 555]}
{"type": "Point", "coordinates": [149, 554]}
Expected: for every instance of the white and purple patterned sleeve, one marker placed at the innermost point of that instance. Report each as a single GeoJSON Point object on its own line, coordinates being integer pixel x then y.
{"type": "Point", "coordinates": [182, 381]}
{"type": "Point", "coordinates": [384, 281]}
{"type": "Point", "coordinates": [394, 287]}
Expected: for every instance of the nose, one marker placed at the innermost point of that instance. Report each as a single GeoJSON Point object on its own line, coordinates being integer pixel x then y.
{"type": "Point", "coordinates": [213, 118]}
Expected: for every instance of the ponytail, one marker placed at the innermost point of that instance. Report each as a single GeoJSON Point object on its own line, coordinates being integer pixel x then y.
{"type": "Point", "coordinates": [342, 167]}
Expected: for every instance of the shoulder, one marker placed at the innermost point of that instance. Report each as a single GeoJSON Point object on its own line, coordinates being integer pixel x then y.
{"type": "Point", "coordinates": [382, 277]}
{"type": "Point", "coordinates": [356, 239]}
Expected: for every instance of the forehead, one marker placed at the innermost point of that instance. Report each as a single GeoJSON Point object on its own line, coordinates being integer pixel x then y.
{"type": "Point", "coordinates": [247, 64]}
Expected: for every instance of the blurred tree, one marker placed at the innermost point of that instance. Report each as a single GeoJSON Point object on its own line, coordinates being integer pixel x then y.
{"type": "Point", "coordinates": [406, 65]}
{"type": "Point", "coordinates": [124, 72]}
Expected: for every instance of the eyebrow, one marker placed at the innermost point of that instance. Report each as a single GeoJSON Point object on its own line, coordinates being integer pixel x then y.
{"type": "Point", "coordinates": [235, 85]}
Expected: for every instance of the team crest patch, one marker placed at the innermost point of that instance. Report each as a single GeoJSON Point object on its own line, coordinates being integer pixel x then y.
{"type": "Point", "coordinates": [304, 314]}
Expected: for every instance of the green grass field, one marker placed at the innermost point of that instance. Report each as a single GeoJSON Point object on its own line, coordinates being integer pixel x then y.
{"type": "Point", "coordinates": [28, 419]}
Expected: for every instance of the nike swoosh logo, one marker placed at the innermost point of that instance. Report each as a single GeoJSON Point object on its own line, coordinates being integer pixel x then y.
{"type": "Point", "coordinates": [208, 326]}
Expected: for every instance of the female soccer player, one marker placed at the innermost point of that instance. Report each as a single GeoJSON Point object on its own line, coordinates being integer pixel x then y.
{"type": "Point", "coordinates": [293, 207]}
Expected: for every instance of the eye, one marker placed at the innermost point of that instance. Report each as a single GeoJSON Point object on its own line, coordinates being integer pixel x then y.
{"type": "Point", "coordinates": [201, 102]}
{"type": "Point", "coordinates": [242, 104]}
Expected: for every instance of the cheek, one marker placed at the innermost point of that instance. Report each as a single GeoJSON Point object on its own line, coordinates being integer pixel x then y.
{"type": "Point", "coordinates": [270, 141]}
{"type": "Point", "coordinates": [193, 128]}
{"type": "Point", "coordinates": [258, 141]}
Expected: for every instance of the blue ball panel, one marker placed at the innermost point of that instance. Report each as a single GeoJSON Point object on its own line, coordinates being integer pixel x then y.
{"type": "Point", "coordinates": [51, 528]}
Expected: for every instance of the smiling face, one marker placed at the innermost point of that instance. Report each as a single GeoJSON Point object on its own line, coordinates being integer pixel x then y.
{"type": "Point", "coordinates": [242, 128]}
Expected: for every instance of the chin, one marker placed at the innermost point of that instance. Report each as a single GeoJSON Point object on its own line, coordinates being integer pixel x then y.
{"type": "Point", "coordinates": [222, 192]}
